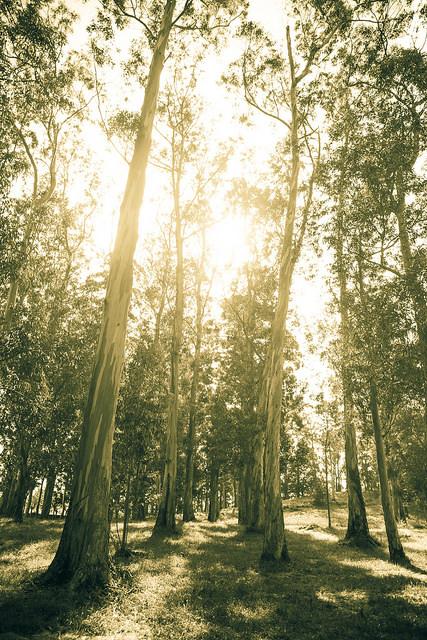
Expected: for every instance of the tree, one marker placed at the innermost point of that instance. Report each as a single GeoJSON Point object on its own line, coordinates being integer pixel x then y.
{"type": "Point", "coordinates": [82, 555]}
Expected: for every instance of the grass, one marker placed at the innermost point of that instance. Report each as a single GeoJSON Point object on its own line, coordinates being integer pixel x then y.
{"type": "Point", "coordinates": [207, 583]}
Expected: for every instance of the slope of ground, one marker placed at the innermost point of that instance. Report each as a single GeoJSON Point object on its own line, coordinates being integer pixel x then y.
{"type": "Point", "coordinates": [207, 583]}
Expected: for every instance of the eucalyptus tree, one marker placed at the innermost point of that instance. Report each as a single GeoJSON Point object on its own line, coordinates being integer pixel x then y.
{"type": "Point", "coordinates": [194, 172]}
{"type": "Point", "coordinates": [281, 91]}
{"type": "Point", "coordinates": [396, 551]}
{"type": "Point", "coordinates": [43, 90]}
{"type": "Point", "coordinates": [202, 298]}
{"type": "Point", "coordinates": [394, 108]}
{"type": "Point", "coordinates": [335, 175]}
{"type": "Point", "coordinates": [82, 555]}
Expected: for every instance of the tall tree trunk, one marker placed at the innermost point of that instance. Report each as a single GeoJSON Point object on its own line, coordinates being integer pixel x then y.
{"type": "Point", "coordinates": [255, 502]}
{"type": "Point", "coordinates": [64, 498]}
{"type": "Point", "coordinates": [328, 505]}
{"type": "Point", "coordinates": [29, 499]}
{"type": "Point", "coordinates": [243, 495]}
{"type": "Point", "coordinates": [48, 494]}
{"type": "Point", "coordinates": [275, 547]}
{"type": "Point", "coordinates": [397, 554]}
{"type": "Point", "coordinates": [166, 515]}
{"type": "Point", "coordinates": [39, 499]}
{"type": "Point", "coordinates": [7, 490]}
{"type": "Point", "coordinates": [188, 511]}
{"type": "Point", "coordinates": [357, 521]}
{"type": "Point", "coordinates": [213, 514]}
{"type": "Point", "coordinates": [255, 470]}
{"type": "Point", "coordinates": [21, 488]}
{"type": "Point", "coordinates": [417, 294]}
{"type": "Point", "coordinates": [82, 555]}
{"type": "Point", "coordinates": [126, 513]}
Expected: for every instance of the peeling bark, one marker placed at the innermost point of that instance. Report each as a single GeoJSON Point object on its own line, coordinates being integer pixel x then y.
{"type": "Point", "coordinates": [396, 551]}
{"type": "Point", "coordinates": [82, 555]}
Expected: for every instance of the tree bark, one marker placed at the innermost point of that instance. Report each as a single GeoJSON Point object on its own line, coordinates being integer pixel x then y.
{"type": "Point", "coordinates": [213, 514]}
{"type": "Point", "coordinates": [243, 495]}
{"type": "Point", "coordinates": [357, 522]}
{"type": "Point", "coordinates": [126, 514]}
{"type": "Point", "coordinates": [188, 511]}
{"type": "Point", "coordinates": [166, 515]}
{"type": "Point", "coordinates": [396, 552]}
{"type": "Point", "coordinates": [21, 490]}
{"type": "Point", "coordinates": [48, 494]}
{"type": "Point", "coordinates": [275, 547]}
{"type": "Point", "coordinates": [417, 294]}
{"type": "Point", "coordinates": [29, 499]}
{"type": "Point", "coordinates": [328, 505]}
{"type": "Point", "coordinates": [82, 555]}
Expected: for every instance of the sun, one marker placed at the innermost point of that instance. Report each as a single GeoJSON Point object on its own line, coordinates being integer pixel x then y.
{"type": "Point", "coordinates": [228, 242]}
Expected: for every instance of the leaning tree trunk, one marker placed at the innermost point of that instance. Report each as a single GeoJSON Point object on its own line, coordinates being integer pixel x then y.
{"type": "Point", "coordinates": [275, 547]}
{"type": "Point", "coordinates": [357, 522]}
{"type": "Point", "coordinates": [166, 515]}
{"type": "Point", "coordinates": [394, 544]}
{"type": "Point", "coordinates": [82, 555]}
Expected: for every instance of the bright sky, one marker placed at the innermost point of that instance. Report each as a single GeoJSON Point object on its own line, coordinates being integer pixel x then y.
{"type": "Point", "coordinates": [229, 238]}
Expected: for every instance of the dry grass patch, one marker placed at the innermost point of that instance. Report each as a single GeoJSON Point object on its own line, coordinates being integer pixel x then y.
{"type": "Point", "coordinates": [207, 584]}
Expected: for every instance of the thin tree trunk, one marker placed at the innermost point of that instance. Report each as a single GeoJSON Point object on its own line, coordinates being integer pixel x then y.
{"type": "Point", "coordinates": [255, 471]}
{"type": "Point", "coordinates": [7, 491]}
{"type": "Point", "coordinates": [243, 495]}
{"type": "Point", "coordinates": [64, 497]}
{"type": "Point", "coordinates": [82, 555]}
{"type": "Point", "coordinates": [48, 494]}
{"type": "Point", "coordinates": [29, 500]}
{"type": "Point", "coordinates": [255, 509]}
{"type": "Point", "coordinates": [124, 540]}
{"type": "Point", "coordinates": [417, 294]}
{"type": "Point", "coordinates": [213, 514]}
{"type": "Point", "coordinates": [39, 499]}
{"type": "Point", "coordinates": [397, 554]}
{"type": "Point", "coordinates": [188, 511]}
{"type": "Point", "coordinates": [328, 505]}
{"type": "Point", "coordinates": [166, 515]}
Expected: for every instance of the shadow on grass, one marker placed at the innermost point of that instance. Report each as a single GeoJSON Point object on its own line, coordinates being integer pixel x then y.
{"type": "Point", "coordinates": [225, 593]}
{"type": "Point", "coordinates": [32, 608]}
{"type": "Point", "coordinates": [324, 592]}
{"type": "Point", "coordinates": [14, 536]}
{"type": "Point", "coordinates": [27, 605]}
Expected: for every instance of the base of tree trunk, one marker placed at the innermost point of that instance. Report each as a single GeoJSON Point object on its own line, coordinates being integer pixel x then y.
{"type": "Point", "coordinates": [254, 529]}
{"type": "Point", "coordinates": [84, 580]}
{"type": "Point", "coordinates": [398, 557]}
{"type": "Point", "coordinates": [190, 518]}
{"type": "Point", "coordinates": [360, 540]}
{"type": "Point", "coordinates": [271, 560]}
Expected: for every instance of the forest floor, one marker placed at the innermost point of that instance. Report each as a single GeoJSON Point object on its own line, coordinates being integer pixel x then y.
{"type": "Point", "coordinates": [207, 584]}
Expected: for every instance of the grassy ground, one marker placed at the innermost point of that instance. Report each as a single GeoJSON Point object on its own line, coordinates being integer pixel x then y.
{"type": "Point", "coordinates": [207, 583]}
